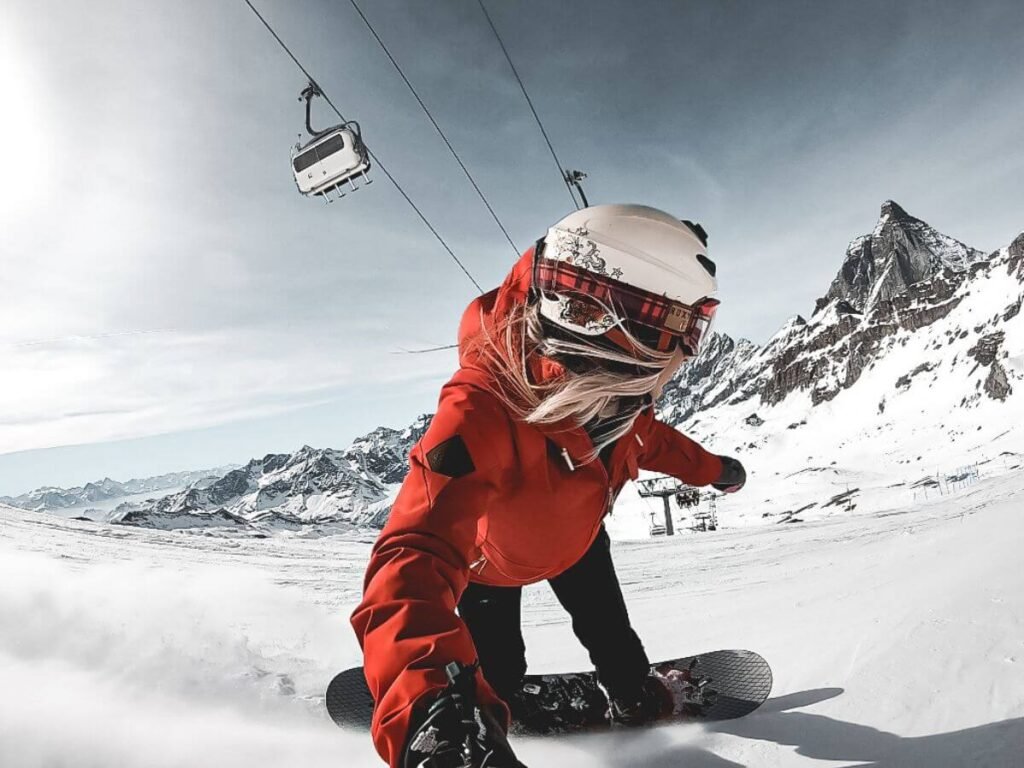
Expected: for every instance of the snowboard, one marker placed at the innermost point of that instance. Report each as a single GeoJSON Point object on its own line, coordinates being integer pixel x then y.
{"type": "Point", "coordinates": [720, 685]}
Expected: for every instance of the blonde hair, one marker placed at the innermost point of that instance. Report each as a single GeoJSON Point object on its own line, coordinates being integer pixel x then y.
{"type": "Point", "coordinates": [601, 382]}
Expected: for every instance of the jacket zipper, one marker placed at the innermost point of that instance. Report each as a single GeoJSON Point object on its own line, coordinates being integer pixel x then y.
{"type": "Point", "coordinates": [568, 460]}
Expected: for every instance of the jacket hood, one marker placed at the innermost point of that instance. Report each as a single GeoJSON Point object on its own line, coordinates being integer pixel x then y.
{"type": "Point", "coordinates": [486, 311]}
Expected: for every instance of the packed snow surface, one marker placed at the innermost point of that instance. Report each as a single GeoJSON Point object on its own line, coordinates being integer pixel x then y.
{"type": "Point", "coordinates": [896, 636]}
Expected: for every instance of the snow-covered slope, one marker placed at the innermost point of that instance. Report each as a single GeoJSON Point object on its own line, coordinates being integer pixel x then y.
{"type": "Point", "coordinates": [895, 638]}
{"type": "Point", "coordinates": [883, 405]}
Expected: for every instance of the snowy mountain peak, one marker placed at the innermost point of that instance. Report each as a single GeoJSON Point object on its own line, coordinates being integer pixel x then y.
{"type": "Point", "coordinates": [892, 211]}
{"type": "Point", "coordinates": [901, 251]}
{"type": "Point", "coordinates": [904, 279]}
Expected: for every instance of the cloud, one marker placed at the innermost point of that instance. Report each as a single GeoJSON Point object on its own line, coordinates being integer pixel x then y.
{"type": "Point", "coordinates": [81, 390]}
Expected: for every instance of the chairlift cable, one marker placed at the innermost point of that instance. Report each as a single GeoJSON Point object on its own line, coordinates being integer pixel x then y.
{"type": "Point", "coordinates": [522, 87]}
{"type": "Point", "coordinates": [287, 50]}
{"type": "Point", "coordinates": [423, 218]}
{"type": "Point", "coordinates": [437, 127]}
{"type": "Point", "coordinates": [428, 349]}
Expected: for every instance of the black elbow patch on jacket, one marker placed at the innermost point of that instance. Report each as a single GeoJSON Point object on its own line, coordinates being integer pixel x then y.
{"type": "Point", "coordinates": [450, 458]}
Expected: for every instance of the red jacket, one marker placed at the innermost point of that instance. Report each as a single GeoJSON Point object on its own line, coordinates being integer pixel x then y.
{"type": "Point", "coordinates": [522, 515]}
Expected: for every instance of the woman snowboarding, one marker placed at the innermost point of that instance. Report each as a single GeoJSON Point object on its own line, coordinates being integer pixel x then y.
{"type": "Point", "coordinates": [549, 414]}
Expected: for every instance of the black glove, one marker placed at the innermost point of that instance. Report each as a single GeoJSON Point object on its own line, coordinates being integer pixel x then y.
{"type": "Point", "coordinates": [454, 732]}
{"type": "Point", "coordinates": [733, 476]}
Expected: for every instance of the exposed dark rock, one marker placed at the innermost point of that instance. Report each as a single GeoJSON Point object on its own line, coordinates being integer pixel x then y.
{"type": "Point", "coordinates": [831, 357]}
{"type": "Point", "coordinates": [997, 384]}
{"type": "Point", "coordinates": [987, 348]}
{"type": "Point", "coordinates": [235, 482]}
{"type": "Point", "coordinates": [716, 375]}
{"type": "Point", "coordinates": [1015, 260]}
{"type": "Point", "coordinates": [384, 452]}
{"type": "Point", "coordinates": [901, 251]}
{"type": "Point", "coordinates": [843, 500]}
{"type": "Point", "coordinates": [1013, 309]}
{"type": "Point", "coordinates": [272, 462]}
{"type": "Point", "coordinates": [904, 380]}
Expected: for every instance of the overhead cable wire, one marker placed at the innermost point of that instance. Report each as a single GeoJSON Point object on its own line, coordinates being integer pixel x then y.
{"type": "Point", "coordinates": [437, 127]}
{"type": "Point", "coordinates": [409, 200]}
{"type": "Point", "coordinates": [428, 349]}
{"type": "Point", "coordinates": [522, 87]}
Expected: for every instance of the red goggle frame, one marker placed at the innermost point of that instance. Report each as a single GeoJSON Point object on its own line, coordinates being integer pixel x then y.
{"type": "Point", "coordinates": [673, 321]}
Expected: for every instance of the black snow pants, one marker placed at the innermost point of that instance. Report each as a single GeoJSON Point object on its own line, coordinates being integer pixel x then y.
{"type": "Point", "coordinates": [590, 592]}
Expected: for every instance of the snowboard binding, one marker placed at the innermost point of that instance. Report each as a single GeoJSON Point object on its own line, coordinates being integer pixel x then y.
{"type": "Point", "coordinates": [691, 691]}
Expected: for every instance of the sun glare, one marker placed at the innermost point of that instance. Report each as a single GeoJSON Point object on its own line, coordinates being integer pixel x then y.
{"type": "Point", "coordinates": [23, 142]}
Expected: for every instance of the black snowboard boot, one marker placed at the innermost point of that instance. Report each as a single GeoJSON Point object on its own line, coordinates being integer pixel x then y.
{"type": "Point", "coordinates": [652, 702]}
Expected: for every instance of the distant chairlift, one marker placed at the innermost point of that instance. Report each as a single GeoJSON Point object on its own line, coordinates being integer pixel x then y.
{"type": "Point", "coordinates": [657, 529]}
{"type": "Point", "coordinates": [331, 157]}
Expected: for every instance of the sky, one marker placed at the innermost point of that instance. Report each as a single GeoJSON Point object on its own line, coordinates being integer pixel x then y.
{"type": "Point", "coordinates": [169, 301]}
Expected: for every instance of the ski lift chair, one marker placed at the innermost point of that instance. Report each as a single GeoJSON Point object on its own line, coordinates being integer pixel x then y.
{"type": "Point", "coordinates": [688, 497]}
{"type": "Point", "coordinates": [331, 158]}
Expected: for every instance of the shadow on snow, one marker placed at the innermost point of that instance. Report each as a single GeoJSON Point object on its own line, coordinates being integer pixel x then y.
{"type": "Point", "coordinates": [993, 745]}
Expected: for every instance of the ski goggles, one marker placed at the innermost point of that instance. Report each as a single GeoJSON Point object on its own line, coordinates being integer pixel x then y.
{"type": "Point", "coordinates": [598, 304]}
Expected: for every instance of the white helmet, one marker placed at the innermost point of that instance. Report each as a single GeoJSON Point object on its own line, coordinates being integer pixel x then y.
{"type": "Point", "coordinates": [609, 268]}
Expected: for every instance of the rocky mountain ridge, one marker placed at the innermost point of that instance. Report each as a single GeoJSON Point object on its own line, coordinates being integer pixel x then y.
{"type": "Point", "coordinates": [52, 498]}
{"type": "Point", "coordinates": [900, 252]}
{"type": "Point", "coordinates": [904, 276]}
{"type": "Point", "coordinates": [318, 486]}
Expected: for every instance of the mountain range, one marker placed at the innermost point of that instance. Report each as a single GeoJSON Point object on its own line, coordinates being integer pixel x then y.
{"type": "Point", "coordinates": [106, 490]}
{"type": "Point", "coordinates": [913, 318]}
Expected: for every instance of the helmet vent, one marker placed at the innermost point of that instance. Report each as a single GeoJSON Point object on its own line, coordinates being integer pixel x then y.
{"type": "Point", "coordinates": [707, 263]}
{"type": "Point", "coordinates": [698, 230]}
